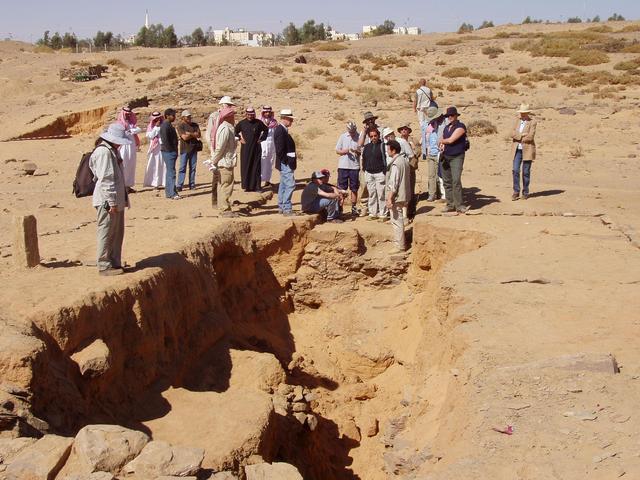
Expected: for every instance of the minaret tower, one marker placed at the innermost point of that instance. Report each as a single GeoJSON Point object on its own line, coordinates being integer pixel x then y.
{"type": "Point", "coordinates": [146, 18]}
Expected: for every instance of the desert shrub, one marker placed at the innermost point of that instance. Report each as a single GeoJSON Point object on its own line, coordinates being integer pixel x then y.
{"type": "Point", "coordinates": [194, 55]}
{"type": "Point", "coordinates": [485, 77]}
{"type": "Point", "coordinates": [456, 72]}
{"type": "Point", "coordinates": [401, 63]}
{"type": "Point", "coordinates": [370, 94]}
{"type": "Point", "coordinates": [408, 53]}
{"type": "Point", "coordinates": [304, 50]}
{"type": "Point", "coordinates": [486, 24]}
{"type": "Point", "coordinates": [358, 69]}
{"type": "Point", "coordinates": [142, 70]}
{"type": "Point", "coordinates": [480, 128]}
{"type": "Point", "coordinates": [331, 47]}
{"type": "Point", "coordinates": [559, 70]}
{"type": "Point", "coordinates": [634, 27]}
{"type": "Point", "coordinates": [522, 70]}
{"type": "Point", "coordinates": [488, 99]}
{"type": "Point", "coordinates": [339, 116]}
{"type": "Point", "coordinates": [509, 80]}
{"type": "Point", "coordinates": [628, 65]}
{"type": "Point", "coordinates": [275, 69]}
{"type": "Point", "coordinates": [433, 85]}
{"type": "Point", "coordinates": [313, 132]}
{"type": "Point", "coordinates": [441, 63]}
{"type": "Point", "coordinates": [501, 35]}
{"type": "Point", "coordinates": [492, 50]}
{"type": "Point", "coordinates": [175, 72]}
{"type": "Point", "coordinates": [338, 96]}
{"type": "Point", "coordinates": [472, 86]}
{"type": "Point", "coordinates": [43, 49]}
{"type": "Point", "coordinates": [298, 69]}
{"type": "Point", "coordinates": [138, 80]}
{"type": "Point", "coordinates": [576, 152]}
{"type": "Point", "coordinates": [588, 57]}
{"type": "Point", "coordinates": [323, 62]}
{"type": "Point", "coordinates": [335, 79]}
{"type": "Point", "coordinates": [454, 87]}
{"type": "Point", "coordinates": [553, 85]}
{"type": "Point", "coordinates": [600, 29]}
{"type": "Point", "coordinates": [451, 51]}
{"type": "Point", "coordinates": [520, 45]}
{"type": "Point", "coordinates": [319, 86]}
{"type": "Point", "coordinates": [447, 42]}
{"type": "Point", "coordinates": [116, 63]}
{"type": "Point", "coordinates": [352, 59]}
{"type": "Point", "coordinates": [574, 20]}
{"type": "Point", "coordinates": [616, 18]}
{"type": "Point", "coordinates": [286, 84]}
{"type": "Point", "coordinates": [366, 56]}
{"type": "Point", "coordinates": [632, 48]}
{"type": "Point", "coordinates": [82, 63]}
{"type": "Point", "coordinates": [324, 73]}
{"type": "Point", "coordinates": [509, 89]}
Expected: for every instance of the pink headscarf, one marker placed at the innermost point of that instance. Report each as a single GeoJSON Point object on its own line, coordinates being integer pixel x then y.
{"type": "Point", "coordinates": [226, 113]}
{"type": "Point", "coordinates": [271, 121]}
{"type": "Point", "coordinates": [132, 121]}
{"type": "Point", "coordinates": [153, 122]}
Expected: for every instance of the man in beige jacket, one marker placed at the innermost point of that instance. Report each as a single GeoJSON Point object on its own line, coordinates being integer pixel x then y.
{"type": "Point", "coordinates": [523, 151]}
{"type": "Point", "coordinates": [398, 187]}
{"type": "Point", "coordinates": [224, 160]}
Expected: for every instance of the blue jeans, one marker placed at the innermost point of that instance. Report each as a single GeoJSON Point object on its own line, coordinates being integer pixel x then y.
{"type": "Point", "coordinates": [526, 173]}
{"type": "Point", "coordinates": [169, 159]}
{"type": "Point", "coordinates": [192, 159]}
{"type": "Point", "coordinates": [286, 188]}
{"type": "Point", "coordinates": [329, 204]}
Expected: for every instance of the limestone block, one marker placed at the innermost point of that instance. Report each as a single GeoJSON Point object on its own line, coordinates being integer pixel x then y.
{"type": "Point", "coordinates": [89, 476]}
{"type": "Point", "coordinates": [42, 460]}
{"type": "Point", "coordinates": [93, 360]}
{"type": "Point", "coordinates": [103, 448]}
{"type": "Point", "coordinates": [160, 458]}
{"type": "Point", "coordinates": [25, 241]}
{"type": "Point", "coordinates": [223, 476]}
{"type": "Point", "coordinates": [272, 471]}
{"type": "Point", "coordinates": [260, 370]}
{"type": "Point", "coordinates": [11, 447]}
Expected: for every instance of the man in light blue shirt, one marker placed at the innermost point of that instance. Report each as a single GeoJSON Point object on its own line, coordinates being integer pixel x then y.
{"type": "Point", "coordinates": [349, 164]}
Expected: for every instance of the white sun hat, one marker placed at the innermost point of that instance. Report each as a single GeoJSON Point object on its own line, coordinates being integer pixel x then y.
{"type": "Point", "coordinates": [115, 133]}
{"type": "Point", "coordinates": [226, 100]}
{"type": "Point", "coordinates": [287, 112]}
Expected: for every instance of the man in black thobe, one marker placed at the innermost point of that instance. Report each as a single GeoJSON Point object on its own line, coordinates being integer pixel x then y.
{"type": "Point", "coordinates": [251, 132]}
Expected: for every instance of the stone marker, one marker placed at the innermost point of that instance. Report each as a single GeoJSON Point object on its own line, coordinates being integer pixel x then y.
{"type": "Point", "coordinates": [42, 460]}
{"type": "Point", "coordinates": [93, 360]}
{"type": "Point", "coordinates": [161, 459]}
{"type": "Point", "coordinates": [25, 241]}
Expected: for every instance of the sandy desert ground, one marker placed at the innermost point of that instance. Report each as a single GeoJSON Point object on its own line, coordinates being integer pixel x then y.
{"type": "Point", "coordinates": [480, 342]}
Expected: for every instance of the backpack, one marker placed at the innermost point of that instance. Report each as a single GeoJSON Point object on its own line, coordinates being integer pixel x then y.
{"type": "Point", "coordinates": [83, 183]}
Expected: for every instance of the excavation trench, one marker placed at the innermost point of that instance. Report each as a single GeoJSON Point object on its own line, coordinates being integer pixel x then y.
{"type": "Point", "coordinates": [76, 123]}
{"type": "Point", "coordinates": [297, 344]}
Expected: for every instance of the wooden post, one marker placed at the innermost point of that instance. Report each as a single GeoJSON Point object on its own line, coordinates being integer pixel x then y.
{"type": "Point", "coordinates": [25, 242]}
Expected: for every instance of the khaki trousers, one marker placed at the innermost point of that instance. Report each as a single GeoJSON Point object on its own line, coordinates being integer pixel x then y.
{"type": "Point", "coordinates": [110, 235]}
{"type": "Point", "coordinates": [397, 221]}
{"type": "Point", "coordinates": [222, 188]}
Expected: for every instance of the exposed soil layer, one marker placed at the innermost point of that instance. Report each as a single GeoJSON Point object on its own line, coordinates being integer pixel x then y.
{"type": "Point", "coordinates": [171, 338]}
{"type": "Point", "coordinates": [87, 121]}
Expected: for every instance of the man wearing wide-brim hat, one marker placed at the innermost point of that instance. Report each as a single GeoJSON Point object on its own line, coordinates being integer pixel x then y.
{"type": "Point", "coordinates": [523, 151]}
{"type": "Point", "coordinates": [286, 161]}
{"type": "Point", "coordinates": [410, 151]}
{"type": "Point", "coordinates": [109, 197]}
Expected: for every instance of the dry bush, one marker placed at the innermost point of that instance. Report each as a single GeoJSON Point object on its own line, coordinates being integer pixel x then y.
{"type": "Point", "coordinates": [338, 96]}
{"type": "Point", "coordinates": [154, 84]}
{"type": "Point", "coordinates": [488, 99]}
{"type": "Point", "coordinates": [82, 63]}
{"type": "Point", "coordinates": [401, 63]}
{"type": "Point", "coordinates": [194, 55]}
{"type": "Point", "coordinates": [509, 80]}
{"type": "Point", "coordinates": [304, 50]}
{"type": "Point", "coordinates": [433, 85]}
{"type": "Point", "coordinates": [96, 88]}
{"type": "Point", "coordinates": [501, 35]}
{"type": "Point", "coordinates": [116, 63]}
{"type": "Point", "coordinates": [449, 41]}
{"type": "Point", "coordinates": [138, 80]}
{"type": "Point", "coordinates": [331, 47]}
{"type": "Point", "coordinates": [319, 86]}
{"type": "Point", "coordinates": [408, 53]}
{"type": "Point", "coordinates": [298, 69]}
{"type": "Point", "coordinates": [492, 51]}
{"type": "Point", "coordinates": [369, 76]}
{"type": "Point", "coordinates": [142, 58]}
{"type": "Point", "coordinates": [454, 87]}
{"type": "Point", "coordinates": [522, 70]}
{"type": "Point", "coordinates": [480, 128]}
{"type": "Point", "coordinates": [456, 72]}
{"type": "Point", "coordinates": [142, 70]}
{"type": "Point", "coordinates": [560, 70]}
{"type": "Point", "coordinates": [600, 29]}
{"type": "Point", "coordinates": [632, 48]}
{"type": "Point", "coordinates": [339, 116]}
{"type": "Point", "coordinates": [275, 69]}
{"type": "Point", "coordinates": [175, 72]}
{"type": "Point", "coordinates": [485, 77]}
{"type": "Point", "coordinates": [324, 73]}
{"type": "Point", "coordinates": [509, 89]}
{"type": "Point", "coordinates": [323, 62]}
{"type": "Point", "coordinates": [521, 45]}
{"type": "Point", "coordinates": [352, 59]}
{"type": "Point", "coordinates": [441, 63]}
{"type": "Point", "coordinates": [553, 85]}
{"type": "Point", "coordinates": [286, 84]}
{"type": "Point", "coordinates": [588, 57]}
{"type": "Point", "coordinates": [450, 51]}
{"type": "Point", "coordinates": [628, 65]}
{"type": "Point", "coordinates": [366, 56]}
{"type": "Point", "coordinates": [576, 152]}
{"type": "Point", "coordinates": [634, 27]}
{"type": "Point", "coordinates": [472, 85]}
{"type": "Point", "coordinates": [371, 94]}
{"type": "Point", "coordinates": [313, 132]}
{"type": "Point", "coordinates": [358, 69]}
{"type": "Point", "coordinates": [43, 49]}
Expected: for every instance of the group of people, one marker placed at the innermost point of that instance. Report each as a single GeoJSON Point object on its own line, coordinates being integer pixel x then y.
{"type": "Point", "coordinates": [377, 164]}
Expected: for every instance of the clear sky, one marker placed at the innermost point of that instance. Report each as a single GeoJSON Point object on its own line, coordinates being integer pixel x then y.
{"type": "Point", "coordinates": [28, 19]}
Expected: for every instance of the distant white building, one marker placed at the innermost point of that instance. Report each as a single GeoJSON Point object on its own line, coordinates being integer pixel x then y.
{"type": "Point", "coordinates": [367, 29]}
{"type": "Point", "coordinates": [243, 37]}
{"type": "Point", "coordinates": [334, 35]}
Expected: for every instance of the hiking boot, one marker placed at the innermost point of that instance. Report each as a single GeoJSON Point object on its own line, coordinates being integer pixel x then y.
{"type": "Point", "coordinates": [448, 209]}
{"type": "Point", "coordinates": [176, 197]}
{"type": "Point", "coordinates": [110, 272]}
{"type": "Point", "coordinates": [431, 198]}
{"type": "Point", "coordinates": [355, 211]}
{"type": "Point", "coordinates": [371, 218]}
{"type": "Point", "coordinates": [525, 196]}
{"type": "Point", "coordinates": [290, 213]}
{"type": "Point", "coordinates": [463, 209]}
{"type": "Point", "coordinates": [335, 220]}
{"type": "Point", "coordinates": [515, 196]}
